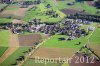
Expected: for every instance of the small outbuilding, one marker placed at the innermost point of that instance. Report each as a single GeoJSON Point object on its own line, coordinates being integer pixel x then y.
{"type": "Point", "coordinates": [91, 28]}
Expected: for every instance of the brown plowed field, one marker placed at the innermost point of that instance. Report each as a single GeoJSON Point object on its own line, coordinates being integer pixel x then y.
{"type": "Point", "coordinates": [95, 48]}
{"type": "Point", "coordinates": [72, 11]}
{"type": "Point", "coordinates": [18, 14]}
{"type": "Point", "coordinates": [54, 52]}
{"type": "Point", "coordinates": [29, 40]}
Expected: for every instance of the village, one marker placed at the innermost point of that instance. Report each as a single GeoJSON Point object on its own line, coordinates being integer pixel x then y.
{"type": "Point", "coordinates": [49, 29]}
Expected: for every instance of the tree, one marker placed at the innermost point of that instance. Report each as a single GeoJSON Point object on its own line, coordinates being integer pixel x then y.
{"type": "Point", "coordinates": [52, 33]}
{"type": "Point", "coordinates": [48, 6]}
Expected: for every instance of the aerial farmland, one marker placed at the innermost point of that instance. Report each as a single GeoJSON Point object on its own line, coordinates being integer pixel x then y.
{"type": "Point", "coordinates": [49, 33]}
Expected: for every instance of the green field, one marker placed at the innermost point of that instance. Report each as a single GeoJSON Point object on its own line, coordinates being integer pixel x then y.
{"type": "Point", "coordinates": [77, 6]}
{"type": "Point", "coordinates": [54, 42]}
{"type": "Point", "coordinates": [13, 7]}
{"type": "Point", "coordinates": [5, 20]}
{"type": "Point", "coordinates": [4, 38]}
{"type": "Point", "coordinates": [30, 62]}
{"type": "Point", "coordinates": [95, 38]}
{"type": "Point", "coordinates": [2, 50]}
{"type": "Point", "coordinates": [12, 58]}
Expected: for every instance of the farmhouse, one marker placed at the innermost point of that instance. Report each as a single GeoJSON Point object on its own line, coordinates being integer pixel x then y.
{"type": "Point", "coordinates": [91, 28]}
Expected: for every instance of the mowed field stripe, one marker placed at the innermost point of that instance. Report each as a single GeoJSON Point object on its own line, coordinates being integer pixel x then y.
{"type": "Point", "coordinates": [7, 53]}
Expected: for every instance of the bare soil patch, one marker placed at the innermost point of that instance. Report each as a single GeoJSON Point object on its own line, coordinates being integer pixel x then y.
{"type": "Point", "coordinates": [15, 21]}
{"type": "Point", "coordinates": [18, 14]}
{"type": "Point", "coordinates": [91, 3]}
{"type": "Point", "coordinates": [98, 25]}
{"type": "Point", "coordinates": [54, 52]}
{"type": "Point", "coordinates": [95, 48]}
{"type": "Point", "coordinates": [29, 40]}
{"type": "Point", "coordinates": [73, 11]}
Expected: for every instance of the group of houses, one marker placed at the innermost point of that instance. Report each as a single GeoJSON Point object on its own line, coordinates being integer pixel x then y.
{"type": "Point", "coordinates": [70, 27]}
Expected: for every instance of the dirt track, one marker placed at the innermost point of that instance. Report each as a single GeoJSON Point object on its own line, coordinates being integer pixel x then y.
{"type": "Point", "coordinates": [17, 21]}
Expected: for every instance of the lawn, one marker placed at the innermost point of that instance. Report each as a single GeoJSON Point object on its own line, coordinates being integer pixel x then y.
{"type": "Point", "coordinates": [5, 20]}
{"type": "Point", "coordinates": [31, 62]}
{"type": "Point", "coordinates": [12, 58]}
{"type": "Point", "coordinates": [2, 50]}
{"type": "Point", "coordinates": [4, 38]}
{"type": "Point", "coordinates": [55, 42]}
